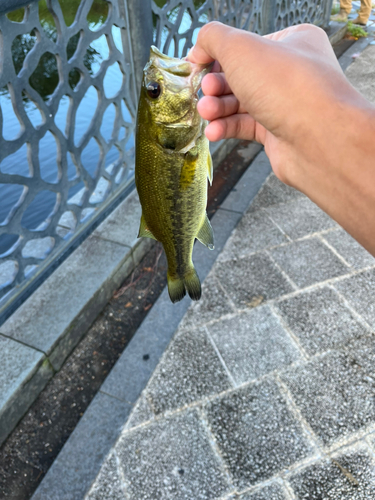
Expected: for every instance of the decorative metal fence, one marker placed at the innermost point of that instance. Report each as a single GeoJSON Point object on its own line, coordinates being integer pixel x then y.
{"type": "Point", "coordinates": [69, 77]}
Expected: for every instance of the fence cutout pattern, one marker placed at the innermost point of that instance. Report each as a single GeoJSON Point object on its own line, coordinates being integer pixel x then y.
{"type": "Point", "coordinates": [68, 113]}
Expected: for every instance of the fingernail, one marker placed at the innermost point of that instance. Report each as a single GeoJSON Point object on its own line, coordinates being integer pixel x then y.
{"type": "Point", "coordinates": [190, 51]}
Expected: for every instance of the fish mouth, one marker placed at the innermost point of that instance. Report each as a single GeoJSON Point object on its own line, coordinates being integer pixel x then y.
{"type": "Point", "coordinates": [181, 67]}
{"type": "Point", "coordinates": [199, 71]}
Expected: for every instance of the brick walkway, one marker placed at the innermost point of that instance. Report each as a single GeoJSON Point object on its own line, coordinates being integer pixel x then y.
{"type": "Point", "coordinates": [267, 388]}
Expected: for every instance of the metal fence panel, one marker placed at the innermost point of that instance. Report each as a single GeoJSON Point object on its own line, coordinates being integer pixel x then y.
{"type": "Point", "coordinates": [177, 22]}
{"type": "Point", "coordinates": [61, 78]}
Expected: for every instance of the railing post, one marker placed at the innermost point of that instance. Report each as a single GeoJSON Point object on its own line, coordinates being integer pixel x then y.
{"type": "Point", "coordinates": [327, 13]}
{"type": "Point", "coordinates": [268, 16]}
{"type": "Point", "coordinates": [141, 29]}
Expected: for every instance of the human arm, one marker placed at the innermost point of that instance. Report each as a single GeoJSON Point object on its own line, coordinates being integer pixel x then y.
{"type": "Point", "coordinates": [288, 92]}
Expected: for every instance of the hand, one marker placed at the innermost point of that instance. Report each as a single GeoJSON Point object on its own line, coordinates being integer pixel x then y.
{"type": "Point", "coordinates": [288, 92]}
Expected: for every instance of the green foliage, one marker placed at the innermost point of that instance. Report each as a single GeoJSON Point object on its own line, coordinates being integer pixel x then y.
{"type": "Point", "coordinates": [45, 77]}
{"type": "Point", "coordinates": [356, 31]}
{"type": "Point", "coordinates": [335, 9]}
{"type": "Point", "coordinates": [16, 15]}
{"type": "Point", "coordinates": [96, 16]}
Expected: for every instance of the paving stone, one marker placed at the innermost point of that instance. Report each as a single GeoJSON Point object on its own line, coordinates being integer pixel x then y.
{"type": "Point", "coordinates": [359, 290]}
{"type": "Point", "coordinates": [248, 185]}
{"type": "Point", "coordinates": [17, 363]}
{"type": "Point", "coordinates": [274, 192]}
{"type": "Point", "coordinates": [362, 354]}
{"type": "Point", "coordinates": [141, 413]}
{"type": "Point", "coordinates": [251, 280]}
{"type": "Point", "coordinates": [114, 228]}
{"type": "Point", "coordinates": [223, 223]}
{"type": "Point", "coordinates": [254, 232]}
{"type": "Point", "coordinates": [257, 434]}
{"type": "Point", "coordinates": [334, 395]}
{"type": "Point", "coordinates": [270, 492]}
{"type": "Point", "coordinates": [300, 218]}
{"type": "Point", "coordinates": [349, 476]}
{"type": "Point", "coordinates": [360, 74]}
{"type": "Point", "coordinates": [346, 60]}
{"type": "Point", "coordinates": [213, 304]}
{"type": "Point", "coordinates": [189, 371]}
{"type": "Point", "coordinates": [320, 320]}
{"type": "Point", "coordinates": [171, 458]}
{"type": "Point", "coordinates": [371, 440]}
{"type": "Point", "coordinates": [253, 344]}
{"type": "Point", "coordinates": [308, 261]}
{"type": "Point", "coordinates": [108, 485]}
{"type": "Point", "coordinates": [350, 249]}
{"type": "Point", "coordinates": [24, 372]}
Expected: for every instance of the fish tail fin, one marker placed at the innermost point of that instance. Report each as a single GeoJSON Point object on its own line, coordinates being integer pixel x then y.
{"type": "Point", "coordinates": [177, 286]}
{"type": "Point", "coordinates": [192, 284]}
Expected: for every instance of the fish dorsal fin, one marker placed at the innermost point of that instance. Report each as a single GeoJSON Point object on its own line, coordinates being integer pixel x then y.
{"type": "Point", "coordinates": [144, 232]}
{"type": "Point", "coordinates": [206, 234]}
{"type": "Point", "coordinates": [210, 168]}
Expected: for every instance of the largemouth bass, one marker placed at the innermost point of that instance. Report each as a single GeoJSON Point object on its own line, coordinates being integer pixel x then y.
{"type": "Point", "coordinates": [173, 162]}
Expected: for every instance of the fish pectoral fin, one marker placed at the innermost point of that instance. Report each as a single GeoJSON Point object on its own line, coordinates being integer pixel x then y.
{"type": "Point", "coordinates": [144, 232]}
{"type": "Point", "coordinates": [210, 168]}
{"type": "Point", "coordinates": [206, 234]}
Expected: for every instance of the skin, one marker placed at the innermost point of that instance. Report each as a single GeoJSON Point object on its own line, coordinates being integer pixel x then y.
{"type": "Point", "coordinates": [288, 92]}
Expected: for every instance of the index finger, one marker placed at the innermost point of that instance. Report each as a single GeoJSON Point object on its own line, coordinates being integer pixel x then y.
{"type": "Point", "coordinates": [227, 45]}
{"type": "Point", "coordinates": [206, 48]}
{"type": "Point", "coordinates": [215, 84]}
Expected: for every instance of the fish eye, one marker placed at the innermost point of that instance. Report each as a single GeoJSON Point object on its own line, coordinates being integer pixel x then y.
{"type": "Point", "coordinates": [153, 90]}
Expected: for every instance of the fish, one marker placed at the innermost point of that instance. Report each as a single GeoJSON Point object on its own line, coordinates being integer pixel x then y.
{"type": "Point", "coordinates": [172, 164]}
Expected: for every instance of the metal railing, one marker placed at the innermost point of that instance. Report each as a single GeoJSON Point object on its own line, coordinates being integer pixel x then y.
{"type": "Point", "coordinates": [69, 74]}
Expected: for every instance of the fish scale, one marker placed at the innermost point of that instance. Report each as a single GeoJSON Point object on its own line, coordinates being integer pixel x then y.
{"type": "Point", "coordinates": [172, 165]}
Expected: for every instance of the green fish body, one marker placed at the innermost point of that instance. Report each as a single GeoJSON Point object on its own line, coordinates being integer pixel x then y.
{"type": "Point", "coordinates": [172, 165]}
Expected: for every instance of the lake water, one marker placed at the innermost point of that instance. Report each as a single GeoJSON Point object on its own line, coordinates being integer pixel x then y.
{"type": "Point", "coordinates": [46, 78]}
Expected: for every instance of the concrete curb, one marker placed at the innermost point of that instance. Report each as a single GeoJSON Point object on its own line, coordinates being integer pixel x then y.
{"type": "Point", "coordinates": [81, 457]}
{"type": "Point", "coordinates": [336, 31]}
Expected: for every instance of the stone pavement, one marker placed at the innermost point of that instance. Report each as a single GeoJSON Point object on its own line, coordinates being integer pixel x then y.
{"type": "Point", "coordinates": [267, 389]}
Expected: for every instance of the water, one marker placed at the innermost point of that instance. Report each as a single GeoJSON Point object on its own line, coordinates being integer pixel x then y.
{"type": "Point", "coordinates": [44, 80]}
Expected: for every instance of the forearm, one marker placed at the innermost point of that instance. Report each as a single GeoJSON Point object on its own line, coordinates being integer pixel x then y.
{"type": "Point", "coordinates": [339, 175]}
